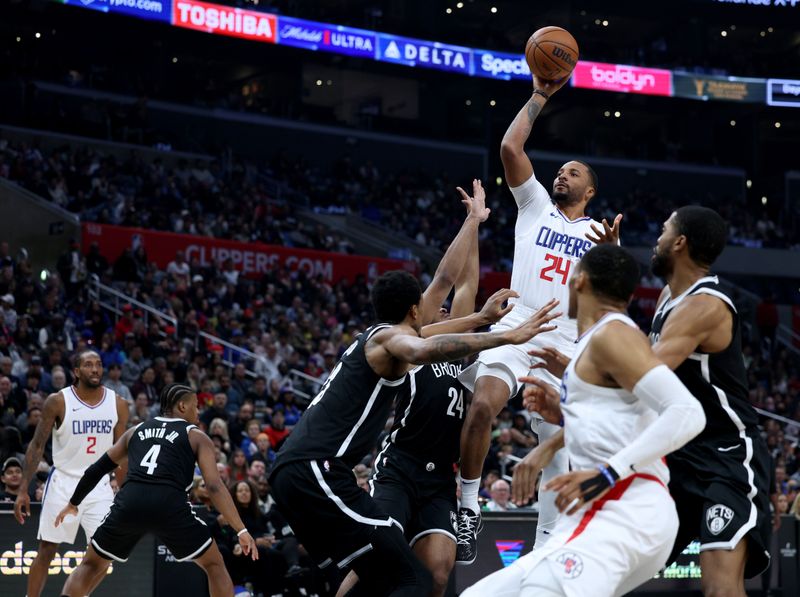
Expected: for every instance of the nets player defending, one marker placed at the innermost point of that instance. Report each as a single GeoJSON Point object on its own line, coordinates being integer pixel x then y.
{"type": "Point", "coordinates": [551, 236]}
{"type": "Point", "coordinates": [721, 478]}
{"type": "Point", "coordinates": [161, 454]}
{"type": "Point", "coordinates": [623, 410]}
{"type": "Point", "coordinates": [85, 420]}
{"type": "Point", "coordinates": [414, 479]}
{"type": "Point", "coordinates": [312, 481]}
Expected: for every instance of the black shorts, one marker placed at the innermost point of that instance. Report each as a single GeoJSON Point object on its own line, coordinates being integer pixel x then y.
{"type": "Point", "coordinates": [141, 508]}
{"type": "Point", "coordinates": [330, 514]}
{"type": "Point", "coordinates": [721, 492]}
{"type": "Point", "coordinates": [419, 495]}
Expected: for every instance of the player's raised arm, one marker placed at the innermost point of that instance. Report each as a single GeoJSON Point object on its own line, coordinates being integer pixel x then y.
{"type": "Point", "coordinates": [116, 455]}
{"type": "Point", "coordinates": [516, 163]}
{"type": "Point", "coordinates": [467, 283]}
{"type": "Point", "coordinates": [123, 413]}
{"type": "Point", "coordinates": [449, 269]}
{"type": "Point", "coordinates": [492, 312]}
{"type": "Point", "coordinates": [52, 412]}
{"type": "Point", "coordinates": [449, 347]}
{"type": "Point", "coordinates": [218, 493]}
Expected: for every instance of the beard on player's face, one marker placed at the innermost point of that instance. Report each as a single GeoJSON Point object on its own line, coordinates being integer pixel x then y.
{"type": "Point", "coordinates": [89, 382]}
{"type": "Point", "coordinates": [661, 264]}
{"type": "Point", "coordinates": [566, 198]}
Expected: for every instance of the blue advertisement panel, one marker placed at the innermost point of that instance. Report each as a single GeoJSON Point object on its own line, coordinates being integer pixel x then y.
{"type": "Point", "coordinates": [783, 92]}
{"type": "Point", "coordinates": [500, 65]}
{"type": "Point", "coordinates": [154, 10]}
{"type": "Point", "coordinates": [310, 35]}
{"type": "Point", "coordinates": [427, 54]}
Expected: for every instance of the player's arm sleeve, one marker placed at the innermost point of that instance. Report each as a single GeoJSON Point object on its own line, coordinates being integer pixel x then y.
{"type": "Point", "coordinates": [680, 418]}
{"type": "Point", "coordinates": [530, 193]}
{"type": "Point", "coordinates": [91, 478]}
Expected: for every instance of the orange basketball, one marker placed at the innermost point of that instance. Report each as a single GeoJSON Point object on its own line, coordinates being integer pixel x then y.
{"type": "Point", "coordinates": [551, 53]}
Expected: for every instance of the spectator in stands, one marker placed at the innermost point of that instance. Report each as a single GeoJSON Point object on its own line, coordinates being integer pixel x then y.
{"type": "Point", "coordinates": [256, 470]}
{"type": "Point", "coordinates": [264, 450]}
{"type": "Point", "coordinates": [250, 442]}
{"type": "Point", "coordinates": [501, 494]}
{"type": "Point", "coordinates": [35, 369]}
{"type": "Point", "coordinates": [95, 262]}
{"type": "Point", "coordinates": [12, 400]}
{"type": "Point", "coordinates": [286, 403]}
{"type": "Point", "coordinates": [258, 394]}
{"type": "Point", "coordinates": [240, 384]}
{"type": "Point", "coordinates": [146, 385]}
{"type": "Point", "coordinates": [178, 269]}
{"type": "Point", "coordinates": [486, 485]}
{"type": "Point", "coordinates": [216, 411]}
{"type": "Point", "coordinates": [238, 465]}
{"type": "Point", "coordinates": [8, 313]}
{"type": "Point", "coordinates": [114, 382]}
{"type": "Point", "coordinates": [58, 379]}
{"type": "Point", "coordinates": [238, 426]}
{"type": "Point", "coordinates": [218, 428]}
{"type": "Point", "coordinates": [234, 398]}
{"type": "Point", "coordinates": [12, 480]}
{"type": "Point", "coordinates": [32, 418]}
{"type": "Point", "coordinates": [135, 363]}
{"type": "Point", "coordinates": [277, 430]}
{"type": "Point", "coordinates": [141, 411]}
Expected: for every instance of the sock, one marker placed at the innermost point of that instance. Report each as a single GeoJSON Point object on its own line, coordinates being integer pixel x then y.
{"type": "Point", "coordinates": [469, 494]}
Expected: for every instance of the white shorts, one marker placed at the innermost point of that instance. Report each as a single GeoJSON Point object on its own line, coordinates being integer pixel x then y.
{"type": "Point", "coordinates": [616, 544]}
{"type": "Point", "coordinates": [91, 512]}
{"type": "Point", "coordinates": [511, 362]}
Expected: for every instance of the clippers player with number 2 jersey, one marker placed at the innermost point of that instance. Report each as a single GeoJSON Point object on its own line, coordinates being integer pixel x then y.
{"type": "Point", "coordinates": [85, 419]}
{"type": "Point", "coordinates": [161, 455]}
{"type": "Point", "coordinates": [551, 235]}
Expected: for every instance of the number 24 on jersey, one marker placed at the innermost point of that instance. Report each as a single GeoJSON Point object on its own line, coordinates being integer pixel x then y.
{"type": "Point", "coordinates": [558, 269]}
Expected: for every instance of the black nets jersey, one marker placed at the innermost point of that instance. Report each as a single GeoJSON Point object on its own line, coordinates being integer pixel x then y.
{"type": "Point", "coordinates": [159, 453]}
{"type": "Point", "coordinates": [345, 419]}
{"type": "Point", "coordinates": [429, 416]}
{"type": "Point", "coordinates": [718, 380]}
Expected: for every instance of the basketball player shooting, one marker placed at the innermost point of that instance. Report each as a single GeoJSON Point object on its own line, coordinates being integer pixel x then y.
{"type": "Point", "coordinates": [85, 420]}
{"type": "Point", "coordinates": [622, 410]}
{"type": "Point", "coordinates": [552, 233]}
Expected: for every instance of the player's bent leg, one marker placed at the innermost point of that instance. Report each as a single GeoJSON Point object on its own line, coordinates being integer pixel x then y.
{"type": "Point", "coordinates": [348, 584]}
{"type": "Point", "coordinates": [548, 512]}
{"type": "Point", "coordinates": [505, 582]}
{"type": "Point", "coordinates": [87, 575]}
{"type": "Point", "coordinates": [437, 552]}
{"type": "Point", "coordinates": [219, 581]}
{"type": "Point", "coordinates": [541, 582]}
{"type": "Point", "coordinates": [40, 567]}
{"type": "Point", "coordinates": [723, 571]}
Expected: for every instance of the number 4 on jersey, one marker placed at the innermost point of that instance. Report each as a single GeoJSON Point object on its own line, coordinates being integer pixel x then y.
{"type": "Point", "coordinates": [149, 460]}
{"type": "Point", "coordinates": [561, 266]}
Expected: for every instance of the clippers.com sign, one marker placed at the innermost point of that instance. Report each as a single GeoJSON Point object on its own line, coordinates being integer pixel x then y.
{"type": "Point", "coordinates": [620, 77]}
{"type": "Point", "coordinates": [221, 20]}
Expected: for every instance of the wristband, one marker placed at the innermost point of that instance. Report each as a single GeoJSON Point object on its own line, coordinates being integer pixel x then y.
{"type": "Point", "coordinates": [542, 93]}
{"type": "Point", "coordinates": [607, 474]}
{"type": "Point", "coordinates": [242, 532]}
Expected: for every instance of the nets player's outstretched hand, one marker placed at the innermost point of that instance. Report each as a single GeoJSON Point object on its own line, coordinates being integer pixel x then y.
{"type": "Point", "coordinates": [476, 205]}
{"type": "Point", "coordinates": [609, 234]}
{"type": "Point", "coordinates": [539, 396]}
{"type": "Point", "coordinates": [68, 510]}
{"type": "Point", "coordinates": [22, 507]}
{"type": "Point", "coordinates": [535, 325]}
{"type": "Point", "coordinates": [551, 360]}
{"type": "Point", "coordinates": [248, 545]}
{"type": "Point", "coordinates": [493, 311]}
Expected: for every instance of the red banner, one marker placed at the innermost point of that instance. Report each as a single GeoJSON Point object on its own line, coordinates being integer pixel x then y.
{"type": "Point", "coordinates": [252, 259]}
{"type": "Point", "coordinates": [224, 20]}
{"type": "Point", "coordinates": [621, 77]}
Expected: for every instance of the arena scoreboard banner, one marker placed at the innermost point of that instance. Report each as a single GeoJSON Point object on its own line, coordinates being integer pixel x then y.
{"type": "Point", "coordinates": [252, 259]}
{"type": "Point", "coordinates": [729, 89]}
{"type": "Point", "coordinates": [271, 28]}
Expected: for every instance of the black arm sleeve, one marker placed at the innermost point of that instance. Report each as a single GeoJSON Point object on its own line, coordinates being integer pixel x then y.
{"type": "Point", "coordinates": [91, 478]}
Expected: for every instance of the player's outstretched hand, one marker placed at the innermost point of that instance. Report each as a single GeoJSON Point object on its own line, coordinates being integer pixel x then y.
{"type": "Point", "coordinates": [526, 471]}
{"type": "Point", "coordinates": [574, 488]}
{"type": "Point", "coordinates": [248, 545]}
{"type": "Point", "coordinates": [22, 507]}
{"type": "Point", "coordinates": [609, 234]}
{"type": "Point", "coordinates": [549, 87]}
{"type": "Point", "coordinates": [539, 396]}
{"type": "Point", "coordinates": [551, 360]}
{"type": "Point", "coordinates": [535, 325]}
{"type": "Point", "coordinates": [476, 204]}
{"type": "Point", "coordinates": [68, 510]}
{"type": "Point", "coordinates": [493, 311]}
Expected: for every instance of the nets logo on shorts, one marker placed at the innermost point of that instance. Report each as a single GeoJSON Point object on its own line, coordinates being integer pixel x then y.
{"type": "Point", "coordinates": [509, 550]}
{"type": "Point", "coordinates": [572, 563]}
{"type": "Point", "coordinates": [717, 518]}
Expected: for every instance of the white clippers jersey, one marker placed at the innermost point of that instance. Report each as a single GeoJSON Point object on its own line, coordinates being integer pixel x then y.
{"type": "Point", "coordinates": [546, 247]}
{"type": "Point", "coordinates": [85, 434]}
{"type": "Point", "coordinates": [598, 421]}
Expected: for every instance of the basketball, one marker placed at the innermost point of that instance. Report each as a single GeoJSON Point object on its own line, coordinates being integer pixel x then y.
{"type": "Point", "coordinates": [551, 53]}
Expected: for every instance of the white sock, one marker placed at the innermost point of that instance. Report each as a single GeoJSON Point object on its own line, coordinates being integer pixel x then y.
{"type": "Point", "coordinates": [469, 494]}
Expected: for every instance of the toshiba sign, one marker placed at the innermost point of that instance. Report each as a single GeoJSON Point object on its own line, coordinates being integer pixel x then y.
{"type": "Point", "coordinates": [620, 77]}
{"type": "Point", "coordinates": [222, 20]}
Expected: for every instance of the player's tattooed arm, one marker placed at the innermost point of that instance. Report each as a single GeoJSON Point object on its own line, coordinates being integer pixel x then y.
{"type": "Point", "coordinates": [492, 312]}
{"type": "Point", "coordinates": [52, 412]}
